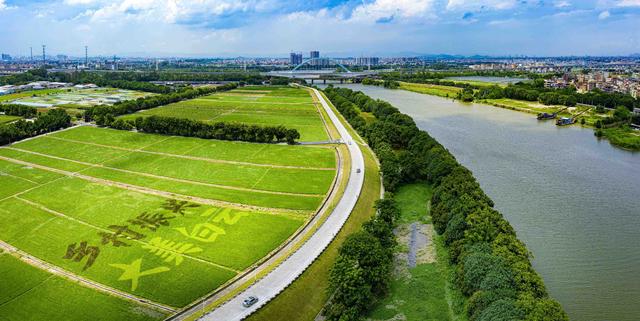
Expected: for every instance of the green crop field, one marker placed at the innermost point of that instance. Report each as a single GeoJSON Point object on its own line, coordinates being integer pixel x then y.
{"type": "Point", "coordinates": [168, 219]}
{"type": "Point", "coordinates": [28, 293]}
{"type": "Point", "coordinates": [267, 106]}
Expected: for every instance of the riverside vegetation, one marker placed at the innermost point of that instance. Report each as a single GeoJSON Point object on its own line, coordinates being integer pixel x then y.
{"type": "Point", "coordinates": [492, 267]}
{"type": "Point", "coordinates": [513, 96]}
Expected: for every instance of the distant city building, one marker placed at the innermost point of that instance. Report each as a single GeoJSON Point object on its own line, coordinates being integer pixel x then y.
{"type": "Point", "coordinates": [315, 55]}
{"type": "Point", "coordinates": [367, 61]}
{"type": "Point", "coordinates": [295, 58]}
{"type": "Point", "coordinates": [6, 57]}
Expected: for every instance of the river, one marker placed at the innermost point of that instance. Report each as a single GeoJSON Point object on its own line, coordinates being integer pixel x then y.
{"type": "Point", "coordinates": [574, 200]}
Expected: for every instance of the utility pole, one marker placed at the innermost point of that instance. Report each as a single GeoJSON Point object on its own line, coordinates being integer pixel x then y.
{"type": "Point", "coordinates": [44, 54]}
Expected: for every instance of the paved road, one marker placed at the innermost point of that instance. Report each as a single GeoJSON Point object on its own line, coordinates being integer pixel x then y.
{"type": "Point", "coordinates": [276, 281]}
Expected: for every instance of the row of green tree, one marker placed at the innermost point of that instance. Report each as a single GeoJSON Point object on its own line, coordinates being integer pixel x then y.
{"type": "Point", "coordinates": [18, 110]}
{"type": "Point", "coordinates": [219, 130]}
{"type": "Point", "coordinates": [46, 122]}
{"type": "Point", "coordinates": [362, 271]}
{"type": "Point", "coordinates": [492, 265]}
{"type": "Point", "coordinates": [391, 84]}
{"type": "Point", "coordinates": [101, 114]}
{"type": "Point", "coordinates": [97, 77]}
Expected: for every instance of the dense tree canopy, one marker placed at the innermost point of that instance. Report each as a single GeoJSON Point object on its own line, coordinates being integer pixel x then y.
{"type": "Point", "coordinates": [493, 267]}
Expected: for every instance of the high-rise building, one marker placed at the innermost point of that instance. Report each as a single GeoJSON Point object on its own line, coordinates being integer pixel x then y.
{"type": "Point", "coordinates": [6, 57]}
{"type": "Point", "coordinates": [295, 58]}
{"type": "Point", "coordinates": [316, 55]}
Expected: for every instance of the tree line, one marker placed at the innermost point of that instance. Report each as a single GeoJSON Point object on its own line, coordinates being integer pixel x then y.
{"type": "Point", "coordinates": [492, 266]}
{"type": "Point", "coordinates": [97, 77]}
{"type": "Point", "coordinates": [219, 130]}
{"type": "Point", "coordinates": [18, 110]}
{"type": "Point", "coordinates": [46, 122]}
{"type": "Point", "coordinates": [103, 114]}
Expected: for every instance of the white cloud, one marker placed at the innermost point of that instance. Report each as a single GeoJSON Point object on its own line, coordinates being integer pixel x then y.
{"type": "Point", "coordinates": [169, 11]}
{"type": "Point", "coordinates": [393, 9]}
{"type": "Point", "coordinates": [2, 5]}
{"type": "Point", "coordinates": [629, 3]}
{"type": "Point", "coordinates": [561, 4]}
{"type": "Point", "coordinates": [604, 15]}
{"type": "Point", "coordinates": [479, 4]}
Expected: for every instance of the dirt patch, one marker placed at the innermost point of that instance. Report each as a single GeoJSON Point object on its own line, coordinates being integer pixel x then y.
{"type": "Point", "coordinates": [415, 246]}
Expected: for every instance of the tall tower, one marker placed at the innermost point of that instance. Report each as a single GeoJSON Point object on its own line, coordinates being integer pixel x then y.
{"type": "Point", "coordinates": [44, 54]}
{"type": "Point", "coordinates": [86, 56]}
{"type": "Point", "coordinates": [31, 53]}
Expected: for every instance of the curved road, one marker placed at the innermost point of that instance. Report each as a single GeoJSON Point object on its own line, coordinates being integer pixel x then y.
{"type": "Point", "coordinates": [277, 280]}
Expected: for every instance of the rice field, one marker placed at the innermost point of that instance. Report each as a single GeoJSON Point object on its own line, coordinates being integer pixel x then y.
{"type": "Point", "coordinates": [167, 219]}
{"type": "Point", "coordinates": [266, 106]}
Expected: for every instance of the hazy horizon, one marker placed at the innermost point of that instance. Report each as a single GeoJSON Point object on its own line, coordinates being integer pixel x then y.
{"type": "Point", "coordinates": [273, 28]}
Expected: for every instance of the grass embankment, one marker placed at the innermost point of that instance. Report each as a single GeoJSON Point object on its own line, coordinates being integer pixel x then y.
{"type": "Point", "coordinates": [435, 90]}
{"type": "Point", "coordinates": [304, 298]}
{"type": "Point", "coordinates": [624, 137]}
{"type": "Point", "coordinates": [425, 293]}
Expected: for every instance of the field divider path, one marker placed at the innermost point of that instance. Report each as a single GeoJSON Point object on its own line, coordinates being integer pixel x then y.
{"type": "Point", "coordinates": [53, 269]}
{"type": "Point", "coordinates": [293, 266]}
{"type": "Point", "coordinates": [146, 190]}
{"type": "Point", "coordinates": [210, 160]}
{"type": "Point", "coordinates": [64, 216]}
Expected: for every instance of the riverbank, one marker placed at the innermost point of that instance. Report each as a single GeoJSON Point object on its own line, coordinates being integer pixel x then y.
{"type": "Point", "coordinates": [571, 198]}
{"type": "Point", "coordinates": [493, 268]}
{"type": "Point", "coordinates": [628, 139]}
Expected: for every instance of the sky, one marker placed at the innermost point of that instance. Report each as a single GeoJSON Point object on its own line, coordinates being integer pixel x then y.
{"type": "Point", "coordinates": [273, 28]}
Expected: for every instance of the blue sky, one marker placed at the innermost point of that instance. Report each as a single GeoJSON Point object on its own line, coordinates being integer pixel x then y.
{"type": "Point", "coordinates": [335, 27]}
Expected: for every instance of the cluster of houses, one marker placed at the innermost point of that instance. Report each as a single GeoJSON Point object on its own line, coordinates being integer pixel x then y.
{"type": "Point", "coordinates": [37, 85]}
{"type": "Point", "coordinates": [597, 80]}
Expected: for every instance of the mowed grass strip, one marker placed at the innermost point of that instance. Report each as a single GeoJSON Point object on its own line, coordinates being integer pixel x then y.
{"type": "Point", "coordinates": [243, 197]}
{"type": "Point", "coordinates": [289, 180]}
{"type": "Point", "coordinates": [47, 219]}
{"type": "Point", "coordinates": [267, 154]}
{"type": "Point", "coordinates": [29, 294]}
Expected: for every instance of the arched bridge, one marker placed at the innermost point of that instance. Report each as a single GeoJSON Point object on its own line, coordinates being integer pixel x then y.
{"type": "Point", "coordinates": [308, 61]}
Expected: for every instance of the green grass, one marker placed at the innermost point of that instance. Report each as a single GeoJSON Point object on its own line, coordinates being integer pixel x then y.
{"type": "Point", "coordinates": [90, 208]}
{"type": "Point", "coordinates": [305, 297]}
{"type": "Point", "coordinates": [425, 294]}
{"type": "Point", "coordinates": [418, 297]}
{"type": "Point", "coordinates": [624, 137]}
{"type": "Point", "coordinates": [269, 154]}
{"type": "Point", "coordinates": [436, 90]}
{"type": "Point", "coordinates": [7, 119]}
{"type": "Point", "coordinates": [414, 200]}
{"type": "Point", "coordinates": [290, 180]}
{"type": "Point", "coordinates": [267, 106]}
{"type": "Point", "coordinates": [28, 293]}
